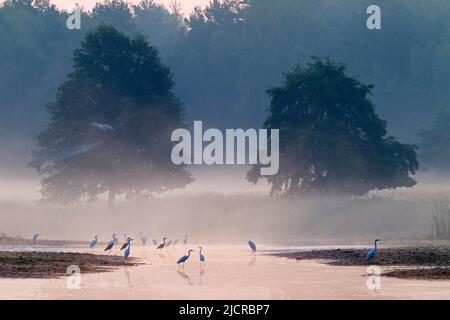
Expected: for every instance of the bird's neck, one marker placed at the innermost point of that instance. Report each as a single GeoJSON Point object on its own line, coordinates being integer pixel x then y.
{"type": "Point", "coordinates": [375, 245]}
{"type": "Point", "coordinates": [189, 253]}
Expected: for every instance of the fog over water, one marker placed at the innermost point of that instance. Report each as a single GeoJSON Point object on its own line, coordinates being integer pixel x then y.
{"type": "Point", "coordinates": [221, 207]}
{"type": "Point", "coordinates": [222, 61]}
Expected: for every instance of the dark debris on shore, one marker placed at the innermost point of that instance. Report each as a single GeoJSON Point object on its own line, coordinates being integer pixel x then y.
{"type": "Point", "coordinates": [55, 264]}
{"type": "Point", "coordinates": [431, 263]}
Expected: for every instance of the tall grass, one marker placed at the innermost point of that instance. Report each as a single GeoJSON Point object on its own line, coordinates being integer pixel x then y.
{"type": "Point", "coordinates": [441, 221]}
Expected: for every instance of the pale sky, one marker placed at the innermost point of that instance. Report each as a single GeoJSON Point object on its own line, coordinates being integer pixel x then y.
{"type": "Point", "coordinates": [187, 5]}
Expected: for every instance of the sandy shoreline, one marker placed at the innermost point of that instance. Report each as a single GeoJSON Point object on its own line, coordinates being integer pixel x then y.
{"type": "Point", "coordinates": [231, 272]}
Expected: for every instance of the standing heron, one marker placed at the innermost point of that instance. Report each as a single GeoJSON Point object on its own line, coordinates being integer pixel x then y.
{"type": "Point", "coordinates": [127, 251]}
{"type": "Point", "coordinates": [373, 251]}
{"type": "Point", "coordinates": [93, 243]}
{"type": "Point", "coordinates": [125, 245]}
{"type": "Point", "coordinates": [35, 237]}
{"type": "Point", "coordinates": [185, 241]}
{"type": "Point", "coordinates": [183, 259]}
{"type": "Point", "coordinates": [201, 256]}
{"type": "Point", "coordinates": [252, 245]}
{"type": "Point", "coordinates": [143, 238]}
{"type": "Point", "coordinates": [162, 245]}
{"type": "Point", "coordinates": [111, 243]}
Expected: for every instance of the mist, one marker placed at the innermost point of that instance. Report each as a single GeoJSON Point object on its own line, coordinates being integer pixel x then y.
{"type": "Point", "coordinates": [233, 212]}
{"type": "Point", "coordinates": [222, 66]}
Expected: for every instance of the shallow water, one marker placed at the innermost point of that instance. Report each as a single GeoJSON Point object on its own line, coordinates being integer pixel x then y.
{"type": "Point", "coordinates": [77, 248]}
{"type": "Point", "coordinates": [230, 272]}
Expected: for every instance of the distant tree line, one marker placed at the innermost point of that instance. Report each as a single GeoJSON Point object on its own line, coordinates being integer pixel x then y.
{"type": "Point", "coordinates": [226, 55]}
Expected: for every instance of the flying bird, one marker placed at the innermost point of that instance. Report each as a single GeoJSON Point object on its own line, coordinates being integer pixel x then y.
{"type": "Point", "coordinates": [111, 243]}
{"type": "Point", "coordinates": [75, 151]}
{"type": "Point", "coordinates": [93, 243]}
{"type": "Point", "coordinates": [162, 245]}
{"type": "Point", "coordinates": [373, 251]}
{"type": "Point", "coordinates": [35, 237]}
{"type": "Point", "coordinates": [183, 259]}
{"type": "Point", "coordinates": [63, 154]}
{"type": "Point", "coordinates": [102, 126]}
{"type": "Point", "coordinates": [127, 251]}
{"type": "Point", "coordinates": [252, 245]}
{"type": "Point", "coordinates": [201, 256]}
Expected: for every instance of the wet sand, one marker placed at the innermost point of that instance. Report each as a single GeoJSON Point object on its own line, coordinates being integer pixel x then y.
{"type": "Point", "coordinates": [231, 272]}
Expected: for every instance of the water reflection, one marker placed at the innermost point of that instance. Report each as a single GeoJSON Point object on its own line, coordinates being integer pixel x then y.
{"type": "Point", "coordinates": [252, 261]}
{"type": "Point", "coordinates": [127, 277]}
{"type": "Point", "coordinates": [185, 276]}
{"type": "Point", "coordinates": [201, 274]}
{"type": "Point", "coordinates": [161, 255]}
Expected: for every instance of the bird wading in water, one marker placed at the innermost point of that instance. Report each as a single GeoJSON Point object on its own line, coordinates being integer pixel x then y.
{"type": "Point", "coordinates": [201, 256]}
{"type": "Point", "coordinates": [162, 245]}
{"type": "Point", "coordinates": [252, 246]}
{"type": "Point", "coordinates": [127, 251]}
{"type": "Point", "coordinates": [93, 243]}
{"type": "Point", "coordinates": [125, 245]}
{"type": "Point", "coordinates": [373, 251]}
{"type": "Point", "coordinates": [183, 259]}
{"type": "Point", "coordinates": [143, 238]}
{"type": "Point", "coordinates": [111, 243]}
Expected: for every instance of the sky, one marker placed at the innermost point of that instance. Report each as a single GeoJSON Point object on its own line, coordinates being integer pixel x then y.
{"type": "Point", "coordinates": [187, 5]}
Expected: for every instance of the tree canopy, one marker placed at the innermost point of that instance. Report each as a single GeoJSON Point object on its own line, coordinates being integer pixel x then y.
{"type": "Point", "coordinates": [121, 82]}
{"type": "Point", "coordinates": [331, 139]}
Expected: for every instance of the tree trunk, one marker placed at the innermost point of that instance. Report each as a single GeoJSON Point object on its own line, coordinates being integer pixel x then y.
{"type": "Point", "coordinates": [111, 198]}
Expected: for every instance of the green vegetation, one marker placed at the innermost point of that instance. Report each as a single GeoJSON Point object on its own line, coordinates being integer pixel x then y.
{"type": "Point", "coordinates": [119, 81]}
{"type": "Point", "coordinates": [331, 139]}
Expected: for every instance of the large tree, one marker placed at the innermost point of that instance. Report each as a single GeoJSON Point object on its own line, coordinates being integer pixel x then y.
{"type": "Point", "coordinates": [118, 81]}
{"type": "Point", "coordinates": [331, 139]}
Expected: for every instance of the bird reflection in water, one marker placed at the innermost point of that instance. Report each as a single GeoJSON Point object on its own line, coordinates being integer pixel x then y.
{"type": "Point", "coordinates": [201, 274]}
{"type": "Point", "coordinates": [127, 276]}
{"type": "Point", "coordinates": [252, 261]}
{"type": "Point", "coordinates": [185, 276]}
{"type": "Point", "coordinates": [161, 255]}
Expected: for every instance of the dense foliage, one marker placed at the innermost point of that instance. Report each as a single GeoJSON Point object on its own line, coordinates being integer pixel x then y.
{"type": "Point", "coordinates": [226, 55]}
{"type": "Point", "coordinates": [118, 81]}
{"type": "Point", "coordinates": [331, 139]}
